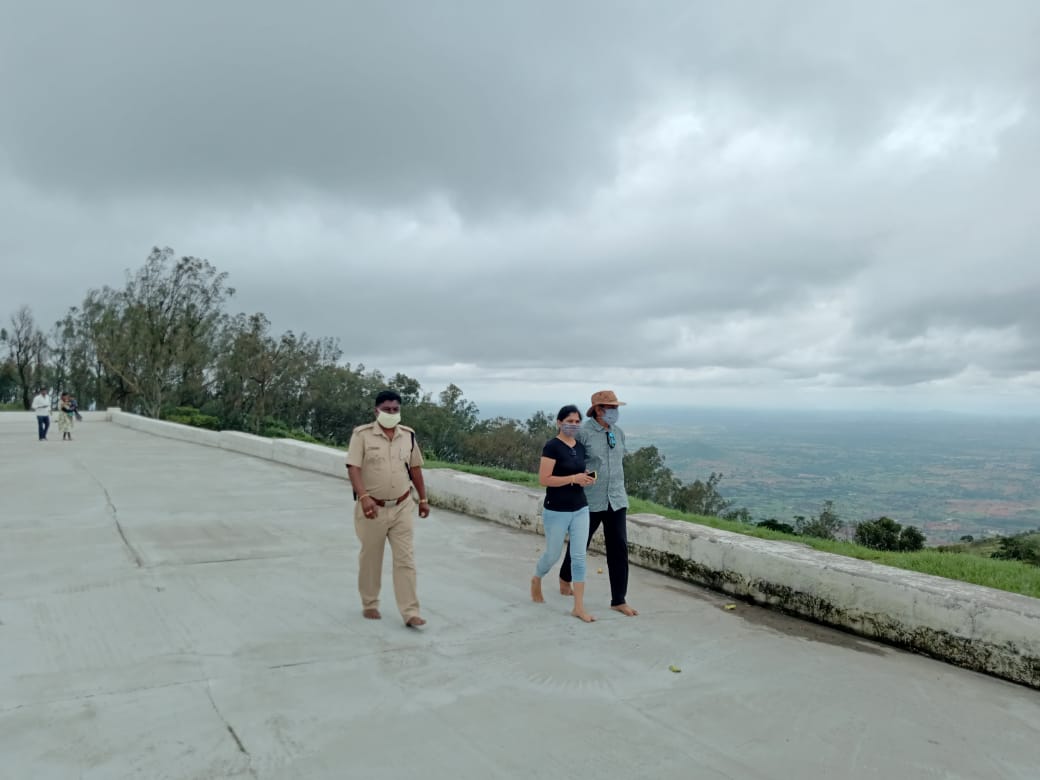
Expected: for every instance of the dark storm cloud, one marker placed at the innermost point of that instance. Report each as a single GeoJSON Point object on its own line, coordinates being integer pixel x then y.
{"type": "Point", "coordinates": [821, 197]}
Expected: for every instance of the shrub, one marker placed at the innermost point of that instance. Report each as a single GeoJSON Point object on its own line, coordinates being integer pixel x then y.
{"type": "Point", "coordinates": [277, 429]}
{"type": "Point", "coordinates": [773, 525]}
{"type": "Point", "coordinates": [1019, 548]}
{"type": "Point", "coordinates": [886, 534]}
{"type": "Point", "coordinates": [188, 415]}
{"type": "Point", "coordinates": [825, 526]}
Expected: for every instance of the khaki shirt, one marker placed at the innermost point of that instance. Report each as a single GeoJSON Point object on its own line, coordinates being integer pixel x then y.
{"type": "Point", "coordinates": [384, 463]}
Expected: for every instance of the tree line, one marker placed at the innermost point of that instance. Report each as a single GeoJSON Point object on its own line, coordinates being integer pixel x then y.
{"type": "Point", "coordinates": [164, 345]}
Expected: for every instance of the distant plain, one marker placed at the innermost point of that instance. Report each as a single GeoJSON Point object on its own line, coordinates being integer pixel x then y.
{"type": "Point", "coordinates": [949, 474]}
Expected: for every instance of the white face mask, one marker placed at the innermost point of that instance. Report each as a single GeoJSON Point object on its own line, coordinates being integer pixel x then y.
{"type": "Point", "coordinates": [388, 420]}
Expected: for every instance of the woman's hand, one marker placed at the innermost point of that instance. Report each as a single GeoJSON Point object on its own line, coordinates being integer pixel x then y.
{"type": "Point", "coordinates": [584, 480]}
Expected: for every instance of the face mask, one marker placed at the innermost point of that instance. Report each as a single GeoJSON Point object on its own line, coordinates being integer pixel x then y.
{"type": "Point", "coordinates": [570, 429]}
{"type": "Point", "coordinates": [388, 420]}
{"type": "Point", "coordinates": [610, 416]}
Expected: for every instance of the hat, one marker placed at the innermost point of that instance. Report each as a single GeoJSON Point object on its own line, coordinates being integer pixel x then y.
{"type": "Point", "coordinates": [603, 398]}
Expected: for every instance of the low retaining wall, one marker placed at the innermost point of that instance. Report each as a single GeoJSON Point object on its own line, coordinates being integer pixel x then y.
{"type": "Point", "coordinates": [313, 457]}
{"type": "Point", "coordinates": [247, 444]}
{"type": "Point", "coordinates": [978, 628]}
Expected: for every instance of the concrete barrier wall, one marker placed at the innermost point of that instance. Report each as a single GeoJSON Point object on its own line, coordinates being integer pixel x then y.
{"type": "Point", "coordinates": [975, 627]}
{"type": "Point", "coordinates": [512, 505]}
{"type": "Point", "coordinates": [313, 457]}
{"type": "Point", "coordinates": [168, 430]}
{"type": "Point", "coordinates": [247, 444]}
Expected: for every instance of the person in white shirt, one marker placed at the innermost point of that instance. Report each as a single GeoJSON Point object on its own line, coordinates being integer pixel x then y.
{"type": "Point", "coordinates": [41, 404]}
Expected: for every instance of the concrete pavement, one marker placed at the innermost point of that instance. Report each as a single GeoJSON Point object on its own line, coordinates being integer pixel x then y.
{"type": "Point", "coordinates": [170, 610]}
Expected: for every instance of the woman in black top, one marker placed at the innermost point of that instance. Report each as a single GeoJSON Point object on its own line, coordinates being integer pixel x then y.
{"type": "Point", "coordinates": [565, 510]}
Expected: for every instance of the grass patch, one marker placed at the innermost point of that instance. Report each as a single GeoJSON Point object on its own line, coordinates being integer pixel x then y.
{"type": "Point", "coordinates": [965, 566]}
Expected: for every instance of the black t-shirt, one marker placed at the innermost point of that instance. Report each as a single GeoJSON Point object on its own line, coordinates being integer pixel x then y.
{"type": "Point", "coordinates": [569, 460]}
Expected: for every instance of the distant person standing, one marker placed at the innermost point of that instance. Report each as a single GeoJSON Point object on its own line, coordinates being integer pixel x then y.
{"type": "Point", "coordinates": [41, 404]}
{"type": "Point", "coordinates": [605, 451]}
{"type": "Point", "coordinates": [562, 471]}
{"type": "Point", "coordinates": [66, 416]}
{"type": "Point", "coordinates": [383, 463]}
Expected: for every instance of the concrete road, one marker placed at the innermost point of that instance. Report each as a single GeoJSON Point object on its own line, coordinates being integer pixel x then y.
{"type": "Point", "coordinates": [175, 611]}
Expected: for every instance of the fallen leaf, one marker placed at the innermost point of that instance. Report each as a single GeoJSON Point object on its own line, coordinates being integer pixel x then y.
{"type": "Point", "coordinates": [599, 571]}
{"type": "Point", "coordinates": [730, 606]}
{"type": "Point", "coordinates": [674, 668]}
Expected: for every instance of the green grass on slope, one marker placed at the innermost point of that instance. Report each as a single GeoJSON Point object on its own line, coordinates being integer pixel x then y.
{"type": "Point", "coordinates": [1011, 576]}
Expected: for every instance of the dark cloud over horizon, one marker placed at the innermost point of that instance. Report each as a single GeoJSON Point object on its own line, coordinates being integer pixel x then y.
{"type": "Point", "coordinates": [832, 199]}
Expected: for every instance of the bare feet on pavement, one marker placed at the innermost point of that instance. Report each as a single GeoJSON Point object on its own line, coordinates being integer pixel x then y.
{"type": "Point", "coordinates": [415, 622]}
{"type": "Point", "coordinates": [371, 614]}
{"type": "Point", "coordinates": [583, 616]}
{"type": "Point", "coordinates": [565, 588]}
{"type": "Point", "coordinates": [536, 590]}
{"type": "Point", "coordinates": [625, 609]}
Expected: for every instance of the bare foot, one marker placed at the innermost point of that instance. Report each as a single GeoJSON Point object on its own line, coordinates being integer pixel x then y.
{"type": "Point", "coordinates": [415, 622]}
{"type": "Point", "coordinates": [565, 588]}
{"type": "Point", "coordinates": [624, 609]}
{"type": "Point", "coordinates": [536, 590]}
{"type": "Point", "coordinates": [371, 614]}
{"type": "Point", "coordinates": [583, 615]}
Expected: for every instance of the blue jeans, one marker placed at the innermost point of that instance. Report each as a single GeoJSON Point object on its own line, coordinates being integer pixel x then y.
{"type": "Point", "coordinates": [557, 526]}
{"type": "Point", "coordinates": [42, 424]}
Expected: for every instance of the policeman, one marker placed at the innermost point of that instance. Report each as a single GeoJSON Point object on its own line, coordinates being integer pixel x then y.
{"type": "Point", "coordinates": [384, 462]}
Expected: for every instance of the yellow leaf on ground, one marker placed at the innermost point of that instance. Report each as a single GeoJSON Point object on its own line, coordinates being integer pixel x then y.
{"type": "Point", "coordinates": [730, 606]}
{"type": "Point", "coordinates": [674, 668]}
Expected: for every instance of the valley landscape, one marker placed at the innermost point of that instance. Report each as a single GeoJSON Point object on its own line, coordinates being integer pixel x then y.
{"type": "Point", "coordinates": [950, 475]}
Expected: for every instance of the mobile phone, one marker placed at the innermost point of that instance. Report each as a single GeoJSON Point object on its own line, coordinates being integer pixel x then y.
{"type": "Point", "coordinates": [592, 474]}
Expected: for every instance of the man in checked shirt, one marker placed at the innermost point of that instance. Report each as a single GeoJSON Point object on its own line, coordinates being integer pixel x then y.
{"type": "Point", "coordinates": [608, 502]}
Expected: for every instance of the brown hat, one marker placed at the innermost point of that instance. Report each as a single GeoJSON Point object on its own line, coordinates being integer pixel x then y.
{"type": "Point", "coordinates": [603, 398]}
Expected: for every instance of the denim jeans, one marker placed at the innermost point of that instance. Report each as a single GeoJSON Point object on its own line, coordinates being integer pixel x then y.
{"type": "Point", "coordinates": [615, 537]}
{"type": "Point", "coordinates": [557, 526]}
{"type": "Point", "coordinates": [42, 425]}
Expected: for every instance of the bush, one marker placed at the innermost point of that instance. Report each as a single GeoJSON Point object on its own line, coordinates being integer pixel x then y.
{"type": "Point", "coordinates": [886, 534]}
{"type": "Point", "coordinates": [825, 526]}
{"type": "Point", "coordinates": [276, 429]}
{"type": "Point", "coordinates": [1019, 548]}
{"type": "Point", "coordinates": [188, 415]}
{"type": "Point", "coordinates": [773, 525]}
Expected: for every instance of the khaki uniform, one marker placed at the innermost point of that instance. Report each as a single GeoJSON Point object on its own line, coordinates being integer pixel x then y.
{"type": "Point", "coordinates": [385, 465]}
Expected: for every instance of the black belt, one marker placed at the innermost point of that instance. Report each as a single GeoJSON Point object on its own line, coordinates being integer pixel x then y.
{"type": "Point", "coordinates": [395, 502]}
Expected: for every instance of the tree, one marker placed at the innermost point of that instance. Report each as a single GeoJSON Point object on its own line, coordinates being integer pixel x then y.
{"type": "Point", "coordinates": [158, 334]}
{"type": "Point", "coordinates": [701, 498]}
{"type": "Point", "coordinates": [444, 427]}
{"type": "Point", "coordinates": [886, 534]}
{"type": "Point", "coordinates": [27, 351]}
{"type": "Point", "coordinates": [824, 526]}
{"type": "Point", "coordinates": [504, 443]}
{"type": "Point", "coordinates": [880, 534]}
{"type": "Point", "coordinates": [647, 477]}
{"type": "Point", "coordinates": [911, 539]}
{"type": "Point", "coordinates": [1025, 548]}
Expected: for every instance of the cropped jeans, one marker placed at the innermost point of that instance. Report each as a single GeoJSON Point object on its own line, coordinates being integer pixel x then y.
{"type": "Point", "coordinates": [558, 525]}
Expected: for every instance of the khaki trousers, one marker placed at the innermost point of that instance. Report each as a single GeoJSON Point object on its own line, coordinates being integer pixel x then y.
{"type": "Point", "coordinates": [393, 523]}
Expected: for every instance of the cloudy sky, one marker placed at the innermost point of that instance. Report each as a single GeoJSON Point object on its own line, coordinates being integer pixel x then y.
{"type": "Point", "coordinates": [813, 203]}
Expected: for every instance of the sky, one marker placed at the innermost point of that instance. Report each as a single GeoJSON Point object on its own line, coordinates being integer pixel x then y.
{"type": "Point", "coordinates": [821, 204]}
